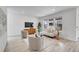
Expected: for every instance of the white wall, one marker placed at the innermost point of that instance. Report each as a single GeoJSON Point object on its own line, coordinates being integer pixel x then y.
{"type": "Point", "coordinates": [16, 22]}
{"type": "Point", "coordinates": [68, 22]}
{"type": "Point", "coordinates": [77, 24]}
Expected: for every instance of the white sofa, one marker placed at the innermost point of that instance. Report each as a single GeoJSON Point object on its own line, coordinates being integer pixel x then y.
{"type": "Point", "coordinates": [50, 31]}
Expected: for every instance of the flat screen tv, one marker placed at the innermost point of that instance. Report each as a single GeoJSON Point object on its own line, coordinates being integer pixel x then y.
{"type": "Point", "coordinates": [28, 24]}
{"type": "Point", "coordinates": [50, 24]}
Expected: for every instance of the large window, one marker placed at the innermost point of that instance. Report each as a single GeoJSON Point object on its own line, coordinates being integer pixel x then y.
{"type": "Point", "coordinates": [55, 21]}
{"type": "Point", "coordinates": [59, 23]}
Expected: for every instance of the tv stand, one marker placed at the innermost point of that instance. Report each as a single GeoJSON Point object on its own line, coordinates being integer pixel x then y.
{"type": "Point", "coordinates": [28, 31]}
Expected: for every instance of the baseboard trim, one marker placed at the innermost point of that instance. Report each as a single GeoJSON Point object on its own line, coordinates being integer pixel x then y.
{"type": "Point", "coordinates": [68, 38]}
{"type": "Point", "coordinates": [13, 35]}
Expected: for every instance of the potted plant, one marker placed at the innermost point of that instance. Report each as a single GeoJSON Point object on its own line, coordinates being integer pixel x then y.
{"type": "Point", "coordinates": [39, 27]}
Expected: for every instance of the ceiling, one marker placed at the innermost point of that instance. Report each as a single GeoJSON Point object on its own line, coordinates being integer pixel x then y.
{"type": "Point", "coordinates": [38, 11]}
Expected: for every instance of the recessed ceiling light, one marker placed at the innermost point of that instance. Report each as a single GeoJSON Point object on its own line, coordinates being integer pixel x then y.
{"type": "Point", "coordinates": [23, 12]}
{"type": "Point", "coordinates": [53, 9]}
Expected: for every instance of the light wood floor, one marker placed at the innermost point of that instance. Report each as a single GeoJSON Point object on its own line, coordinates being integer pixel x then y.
{"type": "Point", "coordinates": [50, 45]}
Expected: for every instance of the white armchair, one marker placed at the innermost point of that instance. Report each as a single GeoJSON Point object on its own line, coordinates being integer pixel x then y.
{"type": "Point", "coordinates": [24, 34]}
{"type": "Point", "coordinates": [35, 43]}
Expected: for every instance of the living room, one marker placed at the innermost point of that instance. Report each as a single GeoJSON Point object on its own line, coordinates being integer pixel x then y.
{"type": "Point", "coordinates": [42, 28]}
{"type": "Point", "coordinates": [17, 17]}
